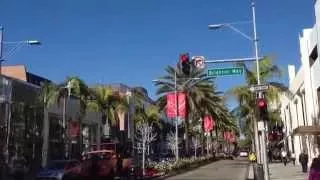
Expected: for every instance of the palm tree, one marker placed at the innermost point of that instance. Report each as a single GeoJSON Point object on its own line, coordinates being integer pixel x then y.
{"type": "Point", "coordinates": [79, 89]}
{"type": "Point", "coordinates": [200, 90]}
{"type": "Point", "coordinates": [247, 100]}
{"type": "Point", "coordinates": [47, 98]}
{"type": "Point", "coordinates": [110, 104]}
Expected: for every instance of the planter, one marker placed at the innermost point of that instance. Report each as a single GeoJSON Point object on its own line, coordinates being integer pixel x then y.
{"type": "Point", "coordinates": [183, 166]}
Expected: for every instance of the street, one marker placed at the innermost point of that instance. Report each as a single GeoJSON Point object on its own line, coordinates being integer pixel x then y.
{"type": "Point", "coordinates": [220, 170]}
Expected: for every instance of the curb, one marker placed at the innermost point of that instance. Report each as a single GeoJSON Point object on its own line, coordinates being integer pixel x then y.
{"type": "Point", "coordinates": [250, 173]}
{"type": "Point", "coordinates": [246, 176]}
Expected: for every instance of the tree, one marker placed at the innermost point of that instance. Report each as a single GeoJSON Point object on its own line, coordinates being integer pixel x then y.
{"type": "Point", "coordinates": [78, 89]}
{"type": "Point", "coordinates": [202, 96]}
{"type": "Point", "coordinates": [110, 104]}
{"type": "Point", "coordinates": [196, 144]}
{"type": "Point", "coordinates": [247, 100]}
{"type": "Point", "coordinates": [150, 116]}
{"type": "Point", "coordinates": [48, 97]}
{"type": "Point", "coordinates": [145, 134]}
{"type": "Point", "coordinates": [171, 139]}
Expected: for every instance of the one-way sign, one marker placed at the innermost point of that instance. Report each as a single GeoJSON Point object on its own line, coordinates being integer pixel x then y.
{"type": "Point", "coordinates": [262, 87]}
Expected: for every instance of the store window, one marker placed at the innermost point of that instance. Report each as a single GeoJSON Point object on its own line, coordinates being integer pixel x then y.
{"type": "Point", "coordinates": [313, 56]}
{"type": "Point", "coordinates": [56, 147]}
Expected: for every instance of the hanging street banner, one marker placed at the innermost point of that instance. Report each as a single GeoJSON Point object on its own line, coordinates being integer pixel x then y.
{"type": "Point", "coordinates": [230, 71]}
{"type": "Point", "coordinates": [172, 106]}
{"type": "Point", "coordinates": [208, 123]}
{"type": "Point", "coordinates": [229, 137]}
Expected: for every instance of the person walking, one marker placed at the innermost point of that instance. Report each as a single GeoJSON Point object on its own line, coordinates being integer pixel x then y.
{"type": "Point", "coordinates": [303, 160]}
{"type": "Point", "coordinates": [284, 157]}
{"type": "Point", "coordinates": [315, 169]}
{"type": "Point", "coordinates": [293, 158]}
{"type": "Point", "coordinates": [270, 155]}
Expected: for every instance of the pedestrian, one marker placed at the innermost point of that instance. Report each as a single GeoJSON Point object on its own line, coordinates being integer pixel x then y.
{"type": "Point", "coordinates": [270, 155]}
{"type": "Point", "coordinates": [303, 159]}
{"type": "Point", "coordinates": [315, 169]}
{"type": "Point", "coordinates": [284, 157]}
{"type": "Point", "coordinates": [252, 157]}
{"type": "Point", "coordinates": [293, 158]}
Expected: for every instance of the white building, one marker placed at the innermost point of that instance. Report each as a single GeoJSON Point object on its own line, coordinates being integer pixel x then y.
{"type": "Point", "coordinates": [300, 110]}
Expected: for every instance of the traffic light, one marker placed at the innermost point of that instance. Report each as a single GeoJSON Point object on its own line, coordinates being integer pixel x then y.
{"type": "Point", "coordinates": [185, 63]}
{"type": "Point", "coordinates": [263, 109]}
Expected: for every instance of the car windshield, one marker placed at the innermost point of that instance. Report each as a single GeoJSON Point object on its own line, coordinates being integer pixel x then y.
{"type": "Point", "coordinates": [104, 155]}
{"type": "Point", "coordinates": [61, 164]}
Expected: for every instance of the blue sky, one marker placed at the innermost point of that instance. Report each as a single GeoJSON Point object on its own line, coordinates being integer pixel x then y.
{"type": "Point", "coordinates": [128, 41]}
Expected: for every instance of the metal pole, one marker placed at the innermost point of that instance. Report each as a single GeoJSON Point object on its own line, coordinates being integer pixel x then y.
{"type": "Point", "coordinates": [265, 168]}
{"type": "Point", "coordinates": [64, 127]}
{"type": "Point", "coordinates": [177, 107]}
{"type": "Point", "coordinates": [232, 60]}
{"type": "Point", "coordinates": [1, 48]}
{"type": "Point", "coordinates": [255, 125]}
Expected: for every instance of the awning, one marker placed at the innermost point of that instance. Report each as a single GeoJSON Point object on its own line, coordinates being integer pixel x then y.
{"type": "Point", "coordinates": [307, 130]}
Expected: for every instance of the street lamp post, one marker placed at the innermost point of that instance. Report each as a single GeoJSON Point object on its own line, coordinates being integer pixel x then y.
{"type": "Point", "coordinates": [18, 45]}
{"type": "Point", "coordinates": [68, 87]}
{"type": "Point", "coordinates": [261, 155]}
{"type": "Point", "coordinates": [177, 115]}
{"type": "Point", "coordinates": [177, 107]}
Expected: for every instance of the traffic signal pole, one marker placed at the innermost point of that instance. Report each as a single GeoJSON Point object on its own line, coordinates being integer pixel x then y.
{"type": "Point", "coordinates": [260, 151]}
{"type": "Point", "coordinates": [263, 150]}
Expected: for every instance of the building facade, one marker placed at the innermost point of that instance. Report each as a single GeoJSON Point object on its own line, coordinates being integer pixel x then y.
{"type": "Point", "coordinates": [300, 108]}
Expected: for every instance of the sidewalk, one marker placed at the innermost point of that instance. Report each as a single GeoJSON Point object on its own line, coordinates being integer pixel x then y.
{"type": "Point", "coordinates": [280, 172]}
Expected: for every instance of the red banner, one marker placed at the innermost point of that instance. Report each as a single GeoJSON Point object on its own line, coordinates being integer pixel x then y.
{"type": "Point", "coordinates": [229, 137]}
{"type": "Point", "coordinates": [172, 105]}
{"type": "Point", "coordinates": [208, 123]}
{"type": "Point", "coordinates": [74, 129]}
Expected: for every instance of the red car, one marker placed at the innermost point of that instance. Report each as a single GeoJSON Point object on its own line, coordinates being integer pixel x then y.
{"type": "Point", "coordinates": [102, 164]}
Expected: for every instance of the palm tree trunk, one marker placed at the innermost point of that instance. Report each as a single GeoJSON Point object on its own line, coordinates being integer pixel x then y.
{"type": "Point", "coordinates": [98, 137]}
{"type": "Point", "coordinates": [252, 136]}
{"type": "Point", "coordinates": [202, 144]}
{"type": "Point", "coordinates": [143, 156]}
{"type": "Point", "coordinates": [256, 139]}
{"type": "Point", "coordinates": [187, 144]}
{"type": "Point", "coordinates": [45, 144]}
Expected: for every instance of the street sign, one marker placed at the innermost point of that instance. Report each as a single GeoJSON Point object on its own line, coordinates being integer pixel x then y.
{"type": "Point", "coordinates": [262, 87]}
{"type": "Point", "coordinates": [231, 71]}
{"type": "Point", "coordinates": [199, 62]}
{"type": "Point", "coordinates": [261, 126]}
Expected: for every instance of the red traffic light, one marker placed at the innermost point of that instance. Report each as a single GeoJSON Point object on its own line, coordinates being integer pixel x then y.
{"type": "Point", "coordinates": [262, 103]}
{"type": "Point", "coordinates": [184, 58]}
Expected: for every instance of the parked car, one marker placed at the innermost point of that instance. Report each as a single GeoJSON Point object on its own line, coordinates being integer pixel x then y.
{"type": "Point", "coordinates": [102, 164]}
{"type": "Point", "coordinates": [57, 169]}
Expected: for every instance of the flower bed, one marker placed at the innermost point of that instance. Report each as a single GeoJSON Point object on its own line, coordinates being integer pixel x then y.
{"type": "Point", "coordinates": [169, 167]}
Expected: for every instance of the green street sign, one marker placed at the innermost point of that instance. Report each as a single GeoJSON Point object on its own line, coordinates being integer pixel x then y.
{"type": "Point", "coordinates": [231, 71]}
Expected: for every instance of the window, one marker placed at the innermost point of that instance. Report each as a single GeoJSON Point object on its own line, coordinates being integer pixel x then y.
{"type": "Point", "coordinates": [297, 114]}
{"type": "Point", "coordinates": [303, 100]}
{"type": "Point", "coordinates": [313, 56]}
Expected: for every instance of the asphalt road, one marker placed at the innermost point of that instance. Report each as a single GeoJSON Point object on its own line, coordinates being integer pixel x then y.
{"type": "Point", "coordinates": [220, 170]}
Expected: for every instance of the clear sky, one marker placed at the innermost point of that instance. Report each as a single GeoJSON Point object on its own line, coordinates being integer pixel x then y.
{"type": "Point", "coordinates": [131, 41]}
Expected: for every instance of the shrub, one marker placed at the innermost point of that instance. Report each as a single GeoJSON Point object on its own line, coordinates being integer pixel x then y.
{"type": "Point", "coordinates": [182, 164]}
